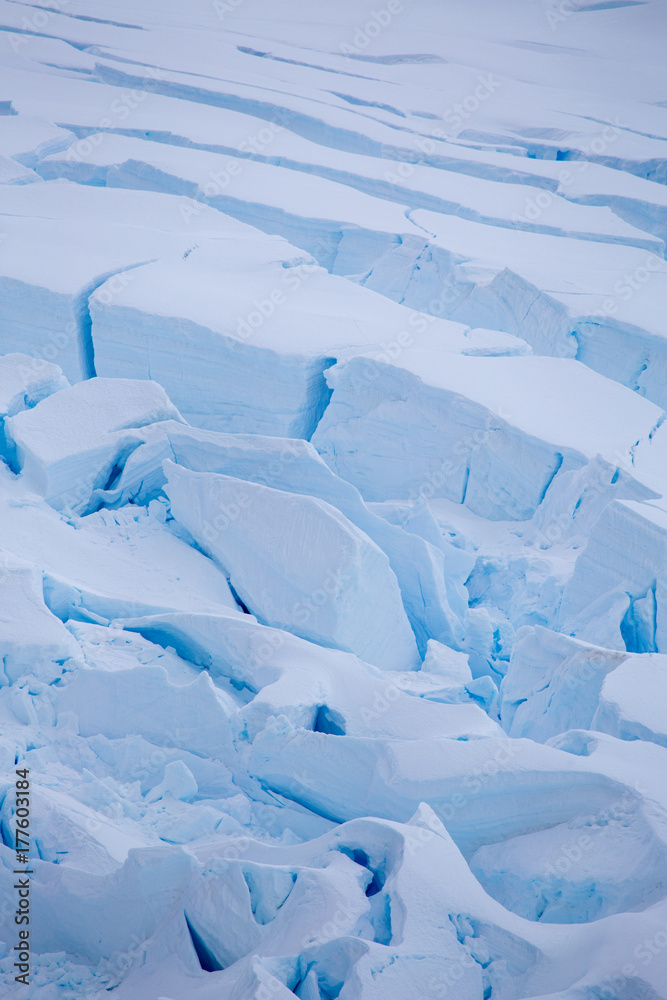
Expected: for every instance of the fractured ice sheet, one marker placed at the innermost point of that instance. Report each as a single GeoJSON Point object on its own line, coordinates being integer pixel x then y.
{"type": "Point", "coordinates": [430, 571]}
{"type": "Point", "coordinates": [279, 674]}
{"type": "Point", "coordinates": [110, 563]}
{"type": "Point", "coordinates": [241, 305]}
{"type": "Point", "coordinates": [332, 498]}
{"type": "Point", "coordinates": [82, 435]}
{"type": "Point", "coordinates": [298, 564]}
{"type": "Point", "coordinates": [121, 161]}
{"type": "Point", "coordinates": [51, 260]}
{"type": "Point", "coordinates": [475, 436]}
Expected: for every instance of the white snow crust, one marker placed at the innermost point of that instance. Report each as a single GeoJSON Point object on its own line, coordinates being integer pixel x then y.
{"type": "Point", "coordinates": [333, 498]}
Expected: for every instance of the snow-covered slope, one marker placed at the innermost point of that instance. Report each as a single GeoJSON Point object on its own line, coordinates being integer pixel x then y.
{"type": "Point", "coordinates": [333, 499]}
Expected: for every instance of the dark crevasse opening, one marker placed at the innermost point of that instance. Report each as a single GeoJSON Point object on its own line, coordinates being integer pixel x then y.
{"type": "Point", "coordinates": [207, 959]}
{"type": "Point", "coordinates": [328, 721]}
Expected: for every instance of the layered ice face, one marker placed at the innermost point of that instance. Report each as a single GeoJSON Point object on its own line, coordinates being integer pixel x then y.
{"type": "Point", "coordinates": [333, 529]}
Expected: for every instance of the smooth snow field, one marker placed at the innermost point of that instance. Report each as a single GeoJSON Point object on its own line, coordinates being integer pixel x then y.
{"type": "Point", "coordinates": [333, 500]}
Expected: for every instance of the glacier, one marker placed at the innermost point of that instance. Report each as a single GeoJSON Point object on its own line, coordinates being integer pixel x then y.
{"type": "Point", "coordinates": [333, 500]}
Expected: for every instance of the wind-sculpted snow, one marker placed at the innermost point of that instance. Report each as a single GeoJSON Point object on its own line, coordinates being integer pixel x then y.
{"type": "Point", "coordinates": [333, 531]}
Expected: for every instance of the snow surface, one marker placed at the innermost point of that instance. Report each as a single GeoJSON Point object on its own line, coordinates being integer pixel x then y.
{"type": "Point", "coordinates": [333, 517]}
